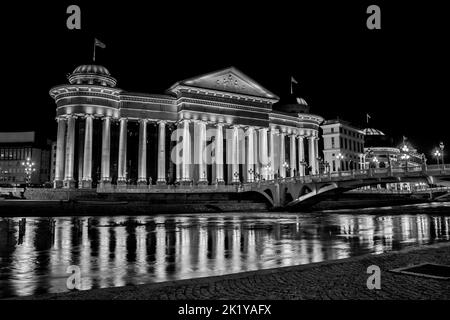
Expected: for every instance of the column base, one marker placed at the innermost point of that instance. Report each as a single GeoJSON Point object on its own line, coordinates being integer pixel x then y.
{"type": "Point", "coordinates": [121, 183]}
{"type": "Point", "coordinates": [202, 182]}
{"type": "Point", "coordinates": [105, 184]}
{"type": "Point", "coordinates": [142, 183]}
{"type": "Point", "coordinates": [86, 184]}
{"type": "Point", "coordinates": [58, 184]}
{"type": "Point", "coordinates": [220, 182]}
{"type": "Point", "coordinates": [161, 182]}
{"type": "Point", "coordinates": [185, 182]}
{"type": "Point", "coordinates": [69, 184]}
{"type": "Point", "coordinates": [235, 182]}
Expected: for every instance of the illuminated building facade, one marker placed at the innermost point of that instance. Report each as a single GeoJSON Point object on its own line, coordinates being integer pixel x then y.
{"type": "Point", "coordinates": [343, 146]}
{"type": "Point", "coordinates": [107, 136]}
{"type": "Point", "coordinates": [18, 148]}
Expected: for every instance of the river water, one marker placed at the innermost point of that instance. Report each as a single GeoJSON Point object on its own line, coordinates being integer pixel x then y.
{"type": "Point", "coordinates": [118, 251]}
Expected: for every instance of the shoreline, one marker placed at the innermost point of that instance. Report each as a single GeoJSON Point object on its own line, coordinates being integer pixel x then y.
{"type": "Point", "coordinates": [334, 279]}
{"type": "Point", "coordinates": [117, 207]}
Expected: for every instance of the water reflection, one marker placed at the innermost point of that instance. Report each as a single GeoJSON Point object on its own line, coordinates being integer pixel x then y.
{"type": "Point", "coordinates": [117, 251]}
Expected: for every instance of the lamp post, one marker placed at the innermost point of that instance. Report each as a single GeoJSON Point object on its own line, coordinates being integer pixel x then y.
{"type": "Point", "coordinates": [250, 172]}
{"type": "Point", "coordinates": [441, 146]}
{"type": "Point", "coordinates": [340, 157]}
{"type": "Point", "coordinates": [437, 154]}
{"type": "Point", "coordinates": [29, 169]}
{"type": "Point", "coordinates": [286, 168]}
{"type": "Point", "coordinates": [405, 156]}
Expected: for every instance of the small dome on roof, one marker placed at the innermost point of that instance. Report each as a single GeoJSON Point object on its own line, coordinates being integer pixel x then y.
{"type": "Point", "coordinates": [92, 69]}
{"type": "Point", "coordinates": [372, 132]}
{"type": "Point", "coordinates": [92, 74]}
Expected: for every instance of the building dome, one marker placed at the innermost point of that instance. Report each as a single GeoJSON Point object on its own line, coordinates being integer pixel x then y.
{"type": "Point", "coordinates": [294, 105]}
{"type": "Point", "coordinates": [372, 132]}
{"type": "Point", "coordinates": [92, 74]}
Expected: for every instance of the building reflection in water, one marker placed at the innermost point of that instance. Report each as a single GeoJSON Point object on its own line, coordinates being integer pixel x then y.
{"type": "Point", "coordinates": [118, 251]}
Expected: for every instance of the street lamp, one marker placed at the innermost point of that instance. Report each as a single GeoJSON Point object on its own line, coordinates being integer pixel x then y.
{"type": "Point", "coordinates": [286, 168]}
{"type": "Point", "coordinates": [29, 169]}
{"type": "Point", "coordinates": [437, 154]}
{"type": "Point", "coordinates": [405, 156]}
{"type": "Point", "coordinates": [340, 157]}
{"type": "Point", "coordinates": [250, 172]}
{"type": "Point", "coordinates": [441, 146]}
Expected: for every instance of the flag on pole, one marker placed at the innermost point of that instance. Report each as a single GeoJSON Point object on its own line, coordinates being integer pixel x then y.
{"type": "Point", "coordinates": [293, 81]}
{"type": "Point", "coordinates": [98, 43]}
{"type": "Point", "coordinates": [368, 117]}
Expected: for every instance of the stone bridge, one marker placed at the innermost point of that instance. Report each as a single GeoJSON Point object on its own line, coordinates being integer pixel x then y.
{"type": "Point", "coordinates": [294, 193]}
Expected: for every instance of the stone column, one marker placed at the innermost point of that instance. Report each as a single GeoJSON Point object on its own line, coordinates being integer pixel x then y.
{"type": "Point", "coordinates": [200, 151]}
{"type": "Point", "coordinates": [69, 181]}
{"type": "Point", "coordinates": [162, 153]}
{"type": "Point", "coordinates": [312, 154]}
{"type": "Point", "coordinates": [178, 150]}
{"type": "Point", "coordinates": [301, 156]}
{"type": "Point", "coordinates": [219, 154]}
{"type": "Point", "coordinates": [273, 132]}
{"type": "Point", "coordinates": [122, 166]}
{"type": "Point", "coordinates": [282, 156]}
{"type": "Point", "coordinates": [250, 155]}
{"type": "Point", "coordinates": [316, 152]}
{"type": "Point", "coordinates": [293, 155]}
{"type": "Point", "coordinates": [263, 156]}
{"type": "Point", "coordinates": [87, 154]}
{"type": "Point", "coordinates": [186, 175]}
{"type": "Point", "coordinates": [235, 155]}
{"type": "Point", "coordinates": [106, 152]}
{"type": "Point", "coordinates": [142, 155]}
{"type": "Point", "coordinates": [60, 145]}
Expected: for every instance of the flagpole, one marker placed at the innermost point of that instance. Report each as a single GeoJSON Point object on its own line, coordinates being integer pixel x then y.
{"type": "Point", "coordinates": [94, 51]}
{"type": "Point", "coordinates": [290, 80]}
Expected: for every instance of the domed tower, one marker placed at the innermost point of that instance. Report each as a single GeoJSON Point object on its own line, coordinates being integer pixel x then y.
{"type": "Point", "coordinates": [92, 74]}
{"type": "Point", "coordinates": [294, 105]}
{"type": "Point", "coordinates": [89, 98]}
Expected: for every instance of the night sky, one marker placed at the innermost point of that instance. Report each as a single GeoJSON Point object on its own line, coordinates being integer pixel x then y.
{"type": "Point", "coordinates": [399, 74]}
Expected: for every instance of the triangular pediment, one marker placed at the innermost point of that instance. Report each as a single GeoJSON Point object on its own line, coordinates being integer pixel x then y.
{"type": "Point", "coordinates": [228, 80]}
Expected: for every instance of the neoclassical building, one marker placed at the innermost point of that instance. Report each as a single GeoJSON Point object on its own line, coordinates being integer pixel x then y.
{"type": "Point", "coordinates": [107, 136]}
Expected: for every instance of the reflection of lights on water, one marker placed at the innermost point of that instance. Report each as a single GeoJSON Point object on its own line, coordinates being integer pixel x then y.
{"type": "Point", "coordinates": [198, 246]}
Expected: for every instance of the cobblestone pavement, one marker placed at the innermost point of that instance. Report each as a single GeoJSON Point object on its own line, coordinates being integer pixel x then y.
{"type": "Point", "coordinates": [339, 279]}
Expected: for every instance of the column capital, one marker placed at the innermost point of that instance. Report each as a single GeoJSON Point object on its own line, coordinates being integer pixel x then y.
{"type": "Point", "coordinates": [145, 120]}
{"type": "Point", "coordinates": [60, 118]}
{"type": "Point", "coordinates": [220, 124]}
{"type": "Point", "coordinates": [88, 115]}
{"type": "Point", "coordinates": [161, 122]}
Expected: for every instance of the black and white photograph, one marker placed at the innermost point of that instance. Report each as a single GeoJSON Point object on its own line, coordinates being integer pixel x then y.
{"type": "Point", "coordinates": [231, 158]}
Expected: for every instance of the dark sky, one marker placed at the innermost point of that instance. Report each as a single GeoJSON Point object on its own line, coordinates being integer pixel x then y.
{"type": "Point", "coordinates": [399, 74]}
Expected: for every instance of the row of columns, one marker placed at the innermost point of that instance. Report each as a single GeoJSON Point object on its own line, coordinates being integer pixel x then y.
{"type": "Point", "coordinates": [65, 152]}
{"type": "Point", "coordinates": [257, 140]}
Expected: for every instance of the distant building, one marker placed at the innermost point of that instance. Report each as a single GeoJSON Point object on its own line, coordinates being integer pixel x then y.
{"type": "Point", "coordinates": [16, 148]}
{"type": "Point", "coordinates": [380, 152]}
{"type": "Point", "coordinates": [53, 161]}
{"type": "Point", "coordinates": [343, 146]}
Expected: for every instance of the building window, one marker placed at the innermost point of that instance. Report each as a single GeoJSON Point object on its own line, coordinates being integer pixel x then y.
{"type": "Point", "coordinates": [332, 130]}
{"type": "Point", "coordinates": [332, 142]}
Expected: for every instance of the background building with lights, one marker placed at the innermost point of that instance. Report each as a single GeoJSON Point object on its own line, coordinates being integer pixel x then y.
{"type": "Point", "coordinates": [343, 145]}
{"type": "Point", "coordinates": [107, 136]}
{"type": "Point", "coordinates": [18, 148]}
